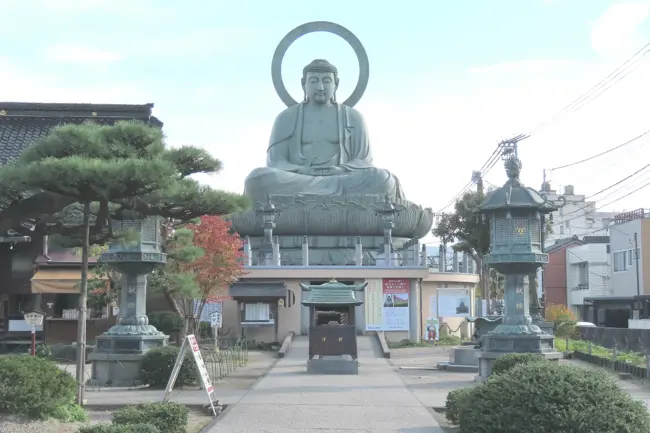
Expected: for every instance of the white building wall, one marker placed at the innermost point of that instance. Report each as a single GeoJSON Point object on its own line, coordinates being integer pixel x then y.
{"type": "Point", "coordinates": [622, 242]}
{"type": "Point", "coordinates": [598, 278]}
{"type": "Point", "coordinates": [577, 217]}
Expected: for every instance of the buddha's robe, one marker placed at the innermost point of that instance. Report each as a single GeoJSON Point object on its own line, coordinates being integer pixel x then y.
{"type": "Point", "coordinates": [287, 154]}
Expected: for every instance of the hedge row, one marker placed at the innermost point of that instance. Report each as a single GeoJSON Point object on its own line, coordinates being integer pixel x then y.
{"type": "Point", "coordinates": [532, 395]}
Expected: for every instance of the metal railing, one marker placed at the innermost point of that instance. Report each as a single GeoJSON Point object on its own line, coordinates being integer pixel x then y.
{"type": "Point", "coordinates": [223, 358]}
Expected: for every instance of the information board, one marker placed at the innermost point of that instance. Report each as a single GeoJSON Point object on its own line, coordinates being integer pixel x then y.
{"type": "Point", "coordinates": [387, 304]}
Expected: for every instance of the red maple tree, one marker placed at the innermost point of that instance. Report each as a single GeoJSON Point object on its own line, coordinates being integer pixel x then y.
{"type": "Point", "coordinates": [221, 263]}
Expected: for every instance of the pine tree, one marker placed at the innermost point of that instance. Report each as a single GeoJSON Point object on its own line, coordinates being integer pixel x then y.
{"type": "Point", "coordinates": [113, 172]}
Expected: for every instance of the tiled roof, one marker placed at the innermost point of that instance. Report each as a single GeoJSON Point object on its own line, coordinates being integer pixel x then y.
{"type": "Point", "coordinates": [332, 293]}
{"type": "Point", "coordinates": [23, 123]}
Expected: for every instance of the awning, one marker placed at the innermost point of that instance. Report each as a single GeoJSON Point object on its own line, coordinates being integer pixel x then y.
{"type": "Point", "coordinates": [258, 290]}
{"type": "Point", "coordinates": [59, 281]}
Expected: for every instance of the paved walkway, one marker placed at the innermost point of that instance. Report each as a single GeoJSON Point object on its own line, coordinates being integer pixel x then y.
{"type": "Point", "coordinates": [287, 399]}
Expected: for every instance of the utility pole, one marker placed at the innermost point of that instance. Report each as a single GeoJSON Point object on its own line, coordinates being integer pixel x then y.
{"type": "Point", "coordinates": [477, 178]}
{"type": "Point", "coordinates": [636, 263]}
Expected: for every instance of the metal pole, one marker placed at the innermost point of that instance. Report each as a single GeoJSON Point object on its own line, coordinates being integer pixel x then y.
{"type": "Point", "coordinates": [33, 340]}
{"type": "Point", "coordinates": [636, 264]}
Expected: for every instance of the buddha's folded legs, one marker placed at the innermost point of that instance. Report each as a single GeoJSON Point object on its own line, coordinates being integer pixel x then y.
{"type": "Point", "coordinates": [371, 181]}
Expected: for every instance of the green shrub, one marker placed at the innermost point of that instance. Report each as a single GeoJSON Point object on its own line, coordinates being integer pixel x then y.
{"type": "Point", "coordinates": [37, 388]}
{"type": "Point", "coordinates": [455, 400]}
{"type": "Point", "coordinates": [507, 362]}
{"type": "Point", "coordinates": [544, 397]}
{"type": "Point", "coordinates": [114, 428]}
{"type": "Point", "coordinates": [157, 364]}
{"type": "Point", "coordinates": [167, 322]}
{"type": "Point", "coordinates": [42, 351]}
{"type": "Point", "coordinates": [168, 417]}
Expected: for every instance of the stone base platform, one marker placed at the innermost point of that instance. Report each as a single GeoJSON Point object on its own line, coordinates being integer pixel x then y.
{"type": "Point", "coordinates": [116, 361]}
{"type": "Point", "coordinates": [333, 365]}
{"type": "Point", "coordinates": [463, 359]}
{"type": "Point", "coordinates": [486, 361]}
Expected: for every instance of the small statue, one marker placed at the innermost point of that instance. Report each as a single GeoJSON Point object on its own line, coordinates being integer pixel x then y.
{"type": "Point", "coordinates": [319, 146]}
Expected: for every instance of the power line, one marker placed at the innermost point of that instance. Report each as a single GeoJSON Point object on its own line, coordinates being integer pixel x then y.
{"type": "Point", "coordinates": [602, 153]}
{"type": "Point", "coordinates": [588, 96]}
{"type": "Point", "coordinates": [620, 181]}
{"type": "Point", "coordinates": [584, 98]}
{"type": "Point", "coordinates": [504, 147]}
{"type": "Point", "coordinates": [602, 206]}
{"type": "Point", "coordinates": [593, 195]}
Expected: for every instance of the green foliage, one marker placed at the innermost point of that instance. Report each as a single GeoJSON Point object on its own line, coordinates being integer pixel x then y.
{"type": "Point", "coordinates": [114, 428]}
{"type": "Point", "coordinates": [464, 227]}
{"type": "Point", "coordinates": [456, 399]}
{"type": "Point", "coordinates": [118, 168]}
{"type": "Point", "coordinates": [157, 364]}
{"type": "Point", "coordinates": [543, 397]}
{"type": "Point", "coordinates": [634, 358]}
{"type": "Point", "coordinates": [168, 417]}
{"type": "Point", "coordinates": [167, 322]}
{"type": "Point", "coordinates": [42, 351]}
{"type": "Point", "coordinates": [36, 388]}
{"type": "Point", "coordinates": [509, 361]}
{"type": "Point", "coordinates": [179, 285]}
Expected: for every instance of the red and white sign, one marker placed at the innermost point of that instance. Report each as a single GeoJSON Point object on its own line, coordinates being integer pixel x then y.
{"type": "Point", "coordinates": [203, 371]}
{"type": "Point", "coordinates": [190, 343]}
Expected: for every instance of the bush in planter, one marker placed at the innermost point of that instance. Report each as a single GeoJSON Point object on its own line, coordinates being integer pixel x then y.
{"type": "Point", "coordinates": [455, 400]}
{"type": "Point", "coordinates": [157, 365]}
{"type": "Point", "coordinates": [507, 362]}
{"type": "Point", "coordinates": [543, 397]}
{"type": "Point", "coordinates": [168, 417]}
{"type": "Point", "coordinates": [36, 388]}
{"type": "Point", "coordinates": [167, 322]}
{"type": "Point", "coordinates": [113, 428]}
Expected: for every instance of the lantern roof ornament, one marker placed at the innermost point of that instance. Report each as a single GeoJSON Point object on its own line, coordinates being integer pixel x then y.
{"type": "Point", "coordinates": [514, 194]}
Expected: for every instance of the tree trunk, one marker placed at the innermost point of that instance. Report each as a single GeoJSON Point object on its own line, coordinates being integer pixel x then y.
{"type": "Point", "coordinates": [484, 280]}
{"type": "Point", "coordinates": [173, 305]}
{"type": "Point", "coordinates": [83, 300]}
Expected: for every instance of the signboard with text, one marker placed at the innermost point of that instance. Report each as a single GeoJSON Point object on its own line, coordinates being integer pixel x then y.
{"type": "Point", "coordinates": [387, 304]}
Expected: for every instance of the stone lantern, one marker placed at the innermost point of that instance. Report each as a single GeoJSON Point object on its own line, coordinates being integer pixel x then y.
{"type": "Point", "coordinates": [116, 359]}
{"type": "Point", "coordinates": [269, 252]}
{"type": "Point", "coordinates": [514, 214]}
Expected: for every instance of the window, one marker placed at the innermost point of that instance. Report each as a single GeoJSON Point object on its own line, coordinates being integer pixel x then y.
{"type": "Point", "coordinates": [620, 261]}
{"type": "Point", "coordinates": [583, 277]}
{"type": "Point", "coordinates": [259, 312]}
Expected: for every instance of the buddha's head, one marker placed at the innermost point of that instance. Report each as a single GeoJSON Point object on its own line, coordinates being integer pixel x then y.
{"type": "Point", "coordinates": [320, 79]}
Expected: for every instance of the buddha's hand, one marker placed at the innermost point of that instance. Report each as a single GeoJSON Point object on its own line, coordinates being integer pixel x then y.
{"type": "Point", "coordinates": [308, 171]}
{"type": "Point", "coordinates": [332, 171]}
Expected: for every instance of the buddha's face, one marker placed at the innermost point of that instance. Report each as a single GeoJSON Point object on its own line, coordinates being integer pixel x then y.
{"type": "Point", "coordinates": [320, 87]}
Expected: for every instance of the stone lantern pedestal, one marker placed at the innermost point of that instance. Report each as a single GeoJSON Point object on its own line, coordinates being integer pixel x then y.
{"type": "Point", "coordinates": [116, 359]}
{"type": "Point", "coordinates": [514, 215]}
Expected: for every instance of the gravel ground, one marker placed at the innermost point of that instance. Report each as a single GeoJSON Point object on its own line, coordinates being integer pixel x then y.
{"type": "Point", "coordinates": [10, 424]}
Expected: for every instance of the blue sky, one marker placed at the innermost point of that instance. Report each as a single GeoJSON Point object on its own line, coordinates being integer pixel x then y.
{"type": "Point", "coordinates": [448, 78]}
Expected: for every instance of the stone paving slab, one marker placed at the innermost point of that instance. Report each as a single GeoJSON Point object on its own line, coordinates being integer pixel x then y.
{"type": "Point", "coordinates": [288, 399]}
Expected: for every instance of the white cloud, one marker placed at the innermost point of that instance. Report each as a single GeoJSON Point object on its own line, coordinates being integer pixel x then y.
{"type": "Point", "coordinates": [616, 32]}
{"type": "Point", "coordinates": [80, 54]}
